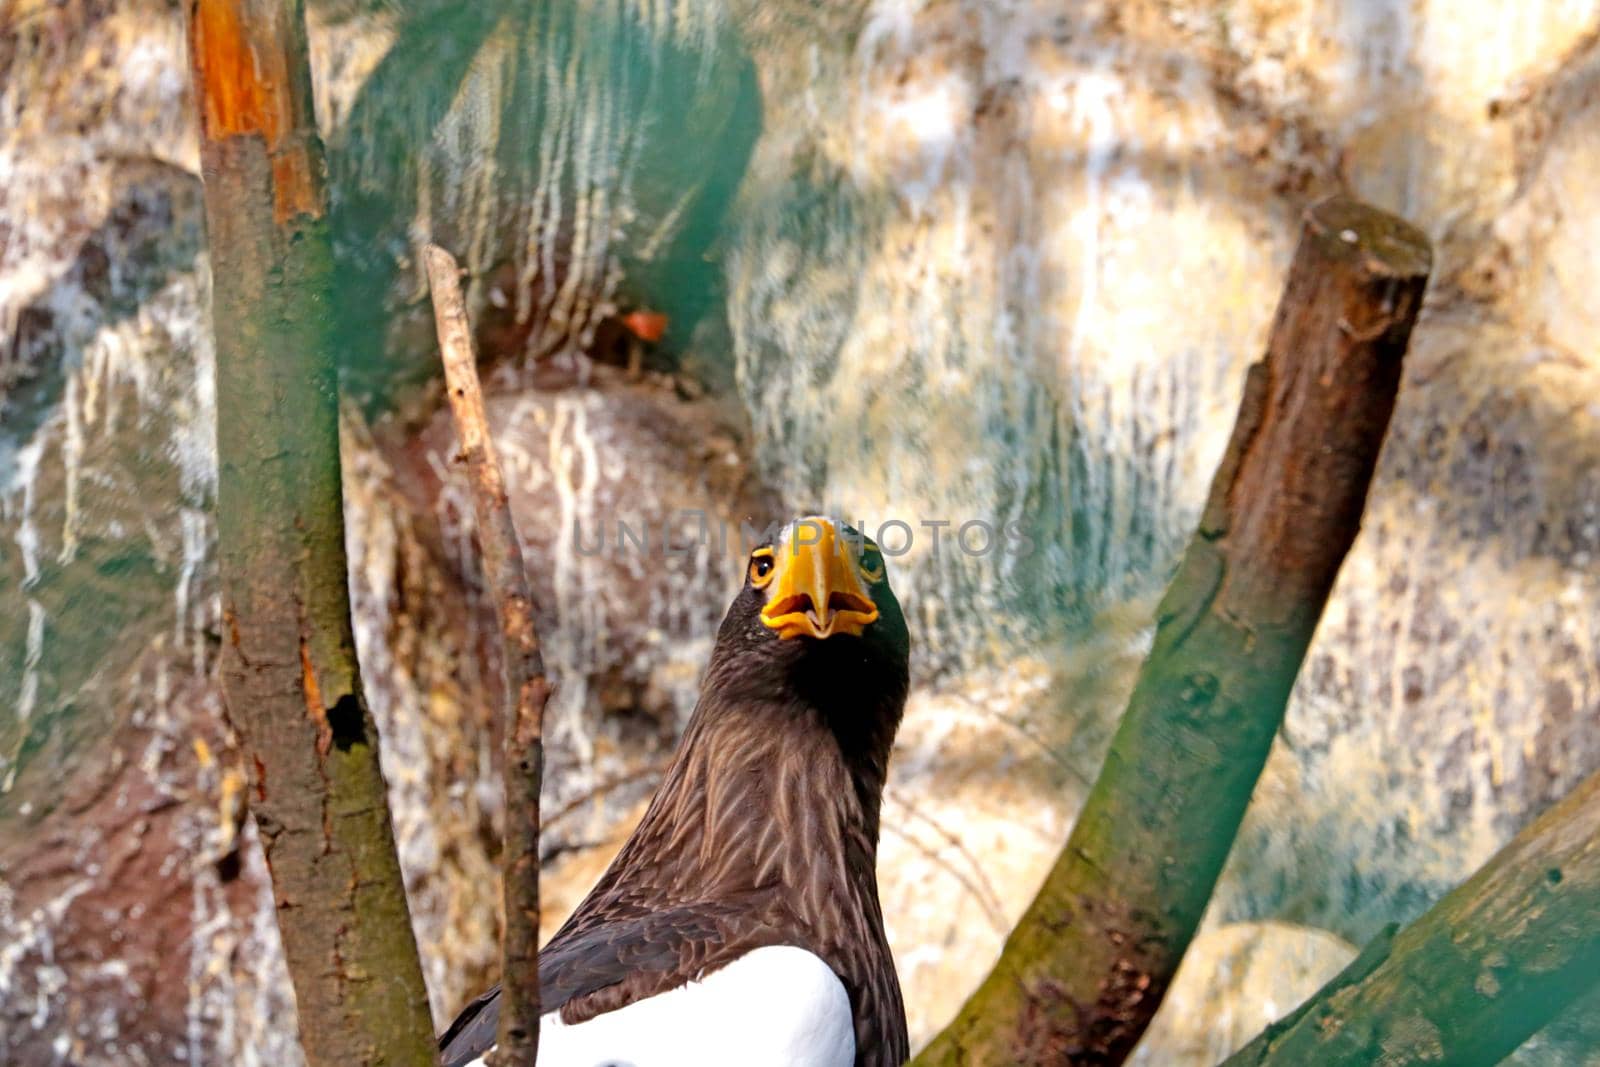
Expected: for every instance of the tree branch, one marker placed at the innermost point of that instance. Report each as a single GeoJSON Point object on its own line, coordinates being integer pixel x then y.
{"type": "Point", "coordinates": [1481, 972]}
{"type": "Point", "coordinates": [526, 687]}
{"type": "Point", "coordinates": [1089, 963]}
{"type": "Point", "coordinates": [289, 672]}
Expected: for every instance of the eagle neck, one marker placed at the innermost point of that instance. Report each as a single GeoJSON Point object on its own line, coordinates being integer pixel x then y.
{"type": "Point", "coordinates": [763, 798]}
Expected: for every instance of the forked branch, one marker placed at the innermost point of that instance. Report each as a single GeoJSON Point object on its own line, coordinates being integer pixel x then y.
{"type": "Point", "coordinates": [1084, 971]}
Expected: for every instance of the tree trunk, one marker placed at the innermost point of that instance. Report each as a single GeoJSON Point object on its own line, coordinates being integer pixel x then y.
{"type": "Point", "coordinates": [290, 678]}
{"type": "Point", "coordinates": [1484, 969]}
{"type": "Point", "coordinates": [1084, 971]}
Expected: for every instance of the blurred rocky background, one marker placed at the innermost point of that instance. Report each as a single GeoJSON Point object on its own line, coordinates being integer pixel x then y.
{"type": "Point", "coordinates": [939, 260]}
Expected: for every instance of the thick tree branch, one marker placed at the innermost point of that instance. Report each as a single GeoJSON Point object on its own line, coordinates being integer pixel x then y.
{"type": "Point", "coordinates": [1481, 972]}
{"type": "Point", "coordinates": [1087, 966]}
{"type": "Point", "coordinates": [289, 670]}
{"type": "Point", "coordinates": [526, 688]}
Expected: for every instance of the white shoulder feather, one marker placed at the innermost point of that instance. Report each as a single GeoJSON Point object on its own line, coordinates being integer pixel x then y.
{"type": "Point", "coordinates": [774, 1007]}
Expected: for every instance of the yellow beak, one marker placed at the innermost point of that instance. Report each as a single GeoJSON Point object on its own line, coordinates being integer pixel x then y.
{"type": "Point", "coordinates": [817, 590]}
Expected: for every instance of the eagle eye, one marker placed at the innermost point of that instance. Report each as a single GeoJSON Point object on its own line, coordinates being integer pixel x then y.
{"type": "Point", "coordinates": [871, 563]}
{"type": "Point", "coordinates": [761, 567]}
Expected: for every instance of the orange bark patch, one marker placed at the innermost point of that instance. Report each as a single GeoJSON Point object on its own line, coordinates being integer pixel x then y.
{"type": "Point", "coordinates": [244, 90]}
{"type": "Point", "coordinates": [295, 188]}
{"type": "Point", "coordinates": [314, 708]}
{"type": "Point", "coordinates": [243, 73]}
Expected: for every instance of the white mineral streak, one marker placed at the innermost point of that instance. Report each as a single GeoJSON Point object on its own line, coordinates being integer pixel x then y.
{"type": "Point", "coordinates": [573, 472]}
{"type": "Point", "coordinates": [24, 484]}
{"type": "Point", "coordinates": [344, 52]}
{"type": "Point", "coordinates": [28, 939]}
{"type": "Point", "coordinates": [30, 661]}
{"type": "Point", "coordinates": [584, 458]}
{"type": "Point", "coordinates": [128, 361]}
{"type": "Point", "coordinates": [1038, 245]}
{"type": "Point", "coordinates": [27, 694]}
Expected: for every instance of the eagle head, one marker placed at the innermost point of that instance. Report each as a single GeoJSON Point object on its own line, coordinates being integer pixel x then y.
{"type": "Point", "coordinates": [816, 622]}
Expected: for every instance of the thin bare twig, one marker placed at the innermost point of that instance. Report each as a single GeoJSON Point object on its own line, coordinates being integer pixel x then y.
{"type": "Point", "coordinates": [526, 686]}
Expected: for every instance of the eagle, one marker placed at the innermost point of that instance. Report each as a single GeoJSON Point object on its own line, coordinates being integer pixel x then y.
{"type": "Point", "coordinates": [740, 925]}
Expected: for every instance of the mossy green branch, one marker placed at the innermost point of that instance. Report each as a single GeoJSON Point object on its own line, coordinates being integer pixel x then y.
{"type": "Point", "coordinates": [1085, 969]}
{"type": "Point", "coordinates": [1476, 976]}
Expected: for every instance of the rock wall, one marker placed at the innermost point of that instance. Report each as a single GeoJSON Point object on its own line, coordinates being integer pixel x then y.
{"type": "Point", "coordinates": [1000, 260]}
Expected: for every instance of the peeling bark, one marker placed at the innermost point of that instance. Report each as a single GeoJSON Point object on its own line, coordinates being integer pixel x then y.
{"type": "Point", "coordinates": [293, 690]}
{"type": "Point", "coordinates": [1084, 971]}
{"type": "Point", "coordinates": [1481, 972]}
{"type": "Point", "coordinates": [526, 688]}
